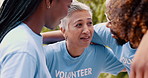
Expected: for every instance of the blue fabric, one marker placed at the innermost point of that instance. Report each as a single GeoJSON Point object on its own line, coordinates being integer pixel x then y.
{"type": "Point", "coordinates": [124, 53]}
{"type": "Point", "coordinates": [22, 55]}
{"type": "Point", "coordinates": [94, 60]}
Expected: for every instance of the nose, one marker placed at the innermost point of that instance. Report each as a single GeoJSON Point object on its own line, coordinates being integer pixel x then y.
{"type": "Point", "coordinates": [86, 30]}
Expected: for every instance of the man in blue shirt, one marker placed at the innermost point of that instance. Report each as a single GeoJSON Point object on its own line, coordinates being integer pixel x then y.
{"type": "Point", "coordinates": [128, 23]}
{"type": "Point", "coordinates": [125, 53]}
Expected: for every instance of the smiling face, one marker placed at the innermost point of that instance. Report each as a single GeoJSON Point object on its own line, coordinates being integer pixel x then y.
{"type": "Point", "coordinates": [80, 29]}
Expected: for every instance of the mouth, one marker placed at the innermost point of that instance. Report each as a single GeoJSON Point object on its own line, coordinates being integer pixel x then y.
{"type": "Point", "coordinates": [86, 38]}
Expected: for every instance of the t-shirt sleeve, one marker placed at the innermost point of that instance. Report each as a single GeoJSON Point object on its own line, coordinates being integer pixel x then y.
{"type": "Point", "coordinates": [102, 35]}
{"type": "Point", "coordinates": [49, 54]}
{"type": "Point", "coordinates": [18, 65]}
{"type": "Point", "coordinates": [111, 63]}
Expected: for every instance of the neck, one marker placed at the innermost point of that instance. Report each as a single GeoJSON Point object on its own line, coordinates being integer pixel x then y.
{"type": "Point", "coordinates": [36, 21]}
{"type": "Point", "coordinates": [35, 27]}
{"type": "Point", "coordinates": [74, 51]}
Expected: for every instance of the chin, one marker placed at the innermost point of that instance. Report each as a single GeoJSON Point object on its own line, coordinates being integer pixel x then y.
{"type": "Point", "coordinates": [86, 45]}
{"type": "Point", "coordinates": [120, 41]}
{"type": "Point", "coordinates": [51, 27]}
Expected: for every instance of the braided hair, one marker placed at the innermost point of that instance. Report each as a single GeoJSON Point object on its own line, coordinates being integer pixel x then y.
{"type": "Point", "coordinates": [13, 12]}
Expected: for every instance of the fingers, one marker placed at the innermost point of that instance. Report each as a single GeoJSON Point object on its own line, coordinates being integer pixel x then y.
{"type": "Point", "coordinates": [132, 72]}
{"type": "Point", "coordinates": [139, 74]}
{"type": "Point", "coordinates": [138, 71]}
{"type": "Point", "coordinates": [146, 71]}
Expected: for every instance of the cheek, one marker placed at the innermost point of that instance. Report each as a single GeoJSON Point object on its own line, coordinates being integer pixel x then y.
{"type": "Point", "coordinates": [74, 34]}
{"type": "Point", "coordinates": [92, 30]}
{"type": "Point", "coordinates": [64, 10]}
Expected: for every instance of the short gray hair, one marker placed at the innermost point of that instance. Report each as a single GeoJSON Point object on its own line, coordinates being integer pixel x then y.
{"type": "Point", "coordinates": [75, 6]}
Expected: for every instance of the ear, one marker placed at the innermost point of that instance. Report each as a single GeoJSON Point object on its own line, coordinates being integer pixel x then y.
{"type": "Point", "coordinates": [48, 3]}
{"type": "Point", "coordinates": [63, 32]}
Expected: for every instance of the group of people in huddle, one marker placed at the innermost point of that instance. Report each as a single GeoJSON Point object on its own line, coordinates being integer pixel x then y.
{"type": "Point", "coordinates": [81, 49]}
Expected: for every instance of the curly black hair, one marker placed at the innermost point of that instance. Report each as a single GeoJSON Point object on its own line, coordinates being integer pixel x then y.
{"type": "Point", "coordinates": [128, 19]}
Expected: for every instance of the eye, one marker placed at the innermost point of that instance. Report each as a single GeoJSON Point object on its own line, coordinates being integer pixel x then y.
{"type": "Point", "coordinates": [90, 23]}
{"type": "Point", "coordinates": [79, 25]}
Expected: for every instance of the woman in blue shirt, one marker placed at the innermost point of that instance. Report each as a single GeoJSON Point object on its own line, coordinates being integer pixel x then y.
{"type": "Point", "coordinates": [75, 57]}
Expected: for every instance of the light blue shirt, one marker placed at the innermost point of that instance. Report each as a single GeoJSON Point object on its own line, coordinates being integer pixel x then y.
{"type": "Point", "coordinates": [22, 55]}
{"type": "Point", "coordinates": [94, 60]}
{"type": "Point", "coordinates": [124, 53]}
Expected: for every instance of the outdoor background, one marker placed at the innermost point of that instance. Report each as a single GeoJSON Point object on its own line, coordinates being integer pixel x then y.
{"type": "Point", "coordinates": [98, 9]}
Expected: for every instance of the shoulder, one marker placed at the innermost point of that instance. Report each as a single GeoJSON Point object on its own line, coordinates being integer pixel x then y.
{"type": "Point", "coordinates": [101, 24]}
{"type": "Point", "coordinates": [54, 49]}
{"type": "Point", "coordinates": [18, 40]}
{"type": "Point", "coordinates": [55, 46]}
{"type": "Point", "coordinates": [100, 49]}
{"type": "Point", "coordinates": [97, 47]}
{"type": "Point", "coordinates": [101, 27]}
{"type": "Point", "coordinates": [17, 35]}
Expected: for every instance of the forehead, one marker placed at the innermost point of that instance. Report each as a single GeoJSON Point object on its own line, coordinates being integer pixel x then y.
{"type": "Point", "coordinates": [77, 15]}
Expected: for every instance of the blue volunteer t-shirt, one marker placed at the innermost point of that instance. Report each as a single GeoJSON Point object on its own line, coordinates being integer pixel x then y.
{"type": "Point", "coordinates": [94, 60]}
{"type": "Point", "coordinates": [21, 54]}
{"type": "Point", "coordinates": [124, 53]}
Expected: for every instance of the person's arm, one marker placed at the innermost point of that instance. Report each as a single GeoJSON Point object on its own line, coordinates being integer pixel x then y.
{"type": "Point", "coordinates": [139, 67]}
{"type": "Point", "coordinates": [18, 65]}
{"type": "Point", "coordinates": [52, 36]}
{"type": "Point", "coordinates": [102, 35]}
{"type": "Point", "coordinates": [111, 63]}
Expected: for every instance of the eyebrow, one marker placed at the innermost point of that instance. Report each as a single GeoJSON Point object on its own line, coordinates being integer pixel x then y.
{"type": "Point", "coordinates": [89, 18]}
{"type": "Point", "coordinates": [82, 20]}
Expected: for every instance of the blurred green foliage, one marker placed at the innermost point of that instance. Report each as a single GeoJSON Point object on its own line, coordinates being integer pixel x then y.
{"type": "Point", "coordinates": [98, 10]}
{"type": "Point", "coordinates": [120, 75]}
